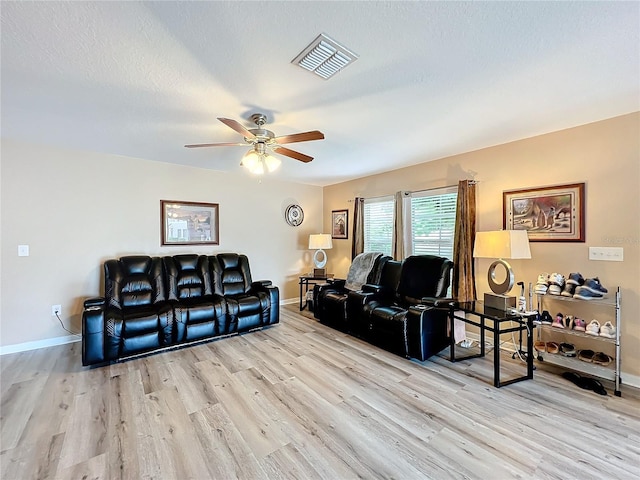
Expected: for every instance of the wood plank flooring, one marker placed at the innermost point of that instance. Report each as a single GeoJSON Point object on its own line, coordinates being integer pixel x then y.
{"type": "Point", "coordinates": [303, 401]}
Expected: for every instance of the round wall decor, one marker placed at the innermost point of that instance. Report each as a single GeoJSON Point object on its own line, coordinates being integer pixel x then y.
{"type": "Point", "coordinates": [294, 215]}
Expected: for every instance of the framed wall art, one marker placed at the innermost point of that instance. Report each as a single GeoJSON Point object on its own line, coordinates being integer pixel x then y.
{"type": "Point", "coordinates": [189, 223]}
{"type": "Point", "coordinates": [548, 214]}
{"type": "Point", "coordinates": [340, 224]}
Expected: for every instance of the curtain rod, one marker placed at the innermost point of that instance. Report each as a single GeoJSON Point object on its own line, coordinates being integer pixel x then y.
{"type": "Point", "coordinates": [472, 182]}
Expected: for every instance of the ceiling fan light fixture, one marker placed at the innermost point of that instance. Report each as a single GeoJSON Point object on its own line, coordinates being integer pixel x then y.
{"type": "Point", "coordinates": [250, 160]}
{"type": "Point", "coordinates": [259, 163]}
{"type": "Point", "coordinates": [325, 57]}
{"type": "Point", "coordinates": [272, 163]}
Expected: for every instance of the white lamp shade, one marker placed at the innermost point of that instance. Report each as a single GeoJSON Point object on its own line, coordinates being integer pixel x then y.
{"type": "Point", "coordinates": [320, 241]}
{"type": "Point", "coordinates": [511, 244]}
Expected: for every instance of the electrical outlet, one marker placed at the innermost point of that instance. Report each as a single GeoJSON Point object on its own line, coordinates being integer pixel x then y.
{"type": "Point", "coordinates": [56, 309]}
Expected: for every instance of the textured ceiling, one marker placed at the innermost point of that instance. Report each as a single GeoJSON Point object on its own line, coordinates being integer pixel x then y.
{"type": "Point", "coordinates": [433, 78]}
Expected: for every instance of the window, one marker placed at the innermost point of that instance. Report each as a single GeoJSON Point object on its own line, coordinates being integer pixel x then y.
{"type": "Point", "coordinates": [430, 218]}
{"type": "Point", "coordinates": [433, 219]}
{"type": "Point", "coordinates": [378, 225]}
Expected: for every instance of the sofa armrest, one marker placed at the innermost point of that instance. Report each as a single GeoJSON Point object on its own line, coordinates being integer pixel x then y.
{"type": "Point", "coordinates": [337, 282]}
{"type": "Point", "coordinates": [273, 294]}
{"type": "Point", "coordinates": [443, 302]}
{"type": "Point", "coordinates": [258, 284]}
{"type": "Point", "coordinates": [94, 302]}
{"type": "Point", "coordinates": [93, 332]}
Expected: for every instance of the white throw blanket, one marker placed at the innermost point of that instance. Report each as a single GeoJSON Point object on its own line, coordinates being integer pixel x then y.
{"type": "Point", "coordinates": [360, 269]}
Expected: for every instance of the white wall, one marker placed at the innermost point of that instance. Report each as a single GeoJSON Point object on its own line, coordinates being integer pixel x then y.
{"type": "Point", "coordinates": [76, 209]}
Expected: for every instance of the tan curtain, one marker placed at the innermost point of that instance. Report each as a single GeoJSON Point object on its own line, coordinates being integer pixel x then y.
{"type": "Point", "coordinates": [402, 233]}
{"type": "Point", "coordinates": [357, 244]}
{"type": "Point", "coordinates": [464, 285]}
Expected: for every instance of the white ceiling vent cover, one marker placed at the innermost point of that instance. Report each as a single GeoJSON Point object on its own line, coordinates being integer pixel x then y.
{"type": "Point", "coordinates": [325, 57]}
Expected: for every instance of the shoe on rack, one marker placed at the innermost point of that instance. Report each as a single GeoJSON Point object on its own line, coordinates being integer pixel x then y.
{"type": "Point", "coordinates": [546, 319]}
{"type": "Point", "coordinates": [543, 284]}
{"type": "Point", "coordinates": [567, 349]}
{"type": "Point", "coordinates": [575, 280]}
{"type": "Point", "coordinates": [593, 328]}
{"type": "Point", "coordinates": [559, 321]}
{"type": "Point", "coordinates": [553, 347]}
{"type": "Point", "coordinates": [579, 325]}
{"type": "Point", "coordinates": [594, 286]}
{"type": "Point", "coordinates": [568, 290]}
{"type": "Point", "coordinates": [583, 293]}
{"type": "Point", "coordinates": [600, 358]}
{"type": "Point", "coordinates": [608, 330]}
{"type": "Point", "coordinates": [556, 282]}
{"type": "Point", "coordinates": [540, 346]}
{"type": "Point", "coordinates": [568, 322]}
{"type": "Point", "coordinates": [586, 355]}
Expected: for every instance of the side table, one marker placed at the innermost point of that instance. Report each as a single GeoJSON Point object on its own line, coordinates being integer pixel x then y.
{"type": "Point", "coordinates": [304, 282]}
{"type": "Point", "coordinates": [497, 322]}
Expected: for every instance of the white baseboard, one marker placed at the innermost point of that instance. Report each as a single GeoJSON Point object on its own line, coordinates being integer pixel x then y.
{"type": "Point", "coordinates": [49, 342]}
{"type": "Point", "coordinates": [289, 301]}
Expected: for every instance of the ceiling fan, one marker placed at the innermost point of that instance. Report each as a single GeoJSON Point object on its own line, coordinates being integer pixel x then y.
{"type": "Point", "coordinates": [263, 142]}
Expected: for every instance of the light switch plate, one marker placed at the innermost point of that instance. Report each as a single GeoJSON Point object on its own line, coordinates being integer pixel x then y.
{"type": "Point", "coordinates": [607, 254]}
{"type": "Point", "coordinates": [23, 250]}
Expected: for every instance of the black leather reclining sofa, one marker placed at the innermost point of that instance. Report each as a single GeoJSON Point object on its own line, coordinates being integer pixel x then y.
{"type": "Point", "coordinates": [404, 312]}
{"type": "Point", "coordinates": [153, 303]}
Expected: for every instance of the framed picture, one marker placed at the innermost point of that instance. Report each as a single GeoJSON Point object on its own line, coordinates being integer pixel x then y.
{"type": "Point", "coordinates": [340, 224]}
{"type": "Point", "coordinates": [189, 223]}
{"type": "Point", "coordinates": [548, 214]}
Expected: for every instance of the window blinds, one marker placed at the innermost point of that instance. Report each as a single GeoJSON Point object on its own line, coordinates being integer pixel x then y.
{"type": "Point", "coordinates": [433, 218]}
{"type": "Point", "coordinates": [378, 225]}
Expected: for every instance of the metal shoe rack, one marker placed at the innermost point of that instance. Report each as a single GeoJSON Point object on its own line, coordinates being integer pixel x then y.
{"type": "Point", "coordinates": [608, 372]}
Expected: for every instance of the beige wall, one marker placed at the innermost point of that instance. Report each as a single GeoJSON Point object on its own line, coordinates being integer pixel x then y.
{"type": "Point", "coordinates": [76, 209]}
{"type": "Point", "coordinates": [605, 155]}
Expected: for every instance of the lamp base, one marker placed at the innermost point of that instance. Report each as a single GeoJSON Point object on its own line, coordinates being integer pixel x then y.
{"type": "Point", "coordinates": [499, 302]}
{"type": "Point", "coordinates": [320, 272]}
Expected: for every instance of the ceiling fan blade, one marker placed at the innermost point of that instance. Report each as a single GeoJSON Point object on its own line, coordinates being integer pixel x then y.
{"type": "Point", "coordinates": [292, 153]}
{"type": "Point", "coordinates": [237, 127]}
{"type": "Point", "coordinates": [300, 137]}
{"type": "Point", "coordinates": [198, 145]}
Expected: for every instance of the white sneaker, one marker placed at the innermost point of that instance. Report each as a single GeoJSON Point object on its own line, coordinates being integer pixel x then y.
{"type": "Point", "coordinates": [608, 330]}
{"type": "Point", "coordinates": [593, 328]}
{"type": "Point", "coordinates": [556, 282]}
{"type": "Point", "coordinates": [543, 284]}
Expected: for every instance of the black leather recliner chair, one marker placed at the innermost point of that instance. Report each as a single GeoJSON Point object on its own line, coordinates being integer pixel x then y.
{"type": "Point", "coordinates": [422, 332]}
{"type": "Point", "coordinates": [249, 304]}
{"type": "Point", "coordinates": [199, 313]}
{"type": "Point", "coordinates": [330, 299]}
{"type": "Point", "coordinates": [133, 316]}
{"type": "Point", "coordinates": [383, 292]}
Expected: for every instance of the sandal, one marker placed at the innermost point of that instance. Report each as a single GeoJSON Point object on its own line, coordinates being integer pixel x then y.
{"type": "Point", "coordinates": [586, 355]}
{"type": "Point", "coordinates": [553, 347]}
{"type": "Point", "coordinates": [567, 349]}
{"type": "Point", "coordinates": [601, 359]}
{"type": "Point", "coordinates": [540, 346]}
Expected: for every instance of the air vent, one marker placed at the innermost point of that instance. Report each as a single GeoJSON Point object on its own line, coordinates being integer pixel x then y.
{"type": "Point", "coordinates": [325, 57]}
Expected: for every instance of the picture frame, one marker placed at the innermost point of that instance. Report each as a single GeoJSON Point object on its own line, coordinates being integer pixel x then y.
{"type": "Point", "coordinates": [189, 223]}
{"type": "Point", "coordinates": [340, 224]}
{"type": "Point", "coordinates": [548, 214]}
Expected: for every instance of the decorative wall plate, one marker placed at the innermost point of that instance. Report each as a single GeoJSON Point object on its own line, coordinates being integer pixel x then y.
{"type": "Point", "coordinates": [294, 215]}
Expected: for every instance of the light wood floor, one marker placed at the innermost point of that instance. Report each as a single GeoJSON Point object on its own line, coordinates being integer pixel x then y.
{"type": "Point", "coordinates": [302, 401]}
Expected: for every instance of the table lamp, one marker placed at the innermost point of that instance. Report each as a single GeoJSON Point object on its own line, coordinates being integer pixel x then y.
{"type": "Point", "coordinates": [318, 242]}
{"type": "Point", "coordinates": [509, 244]}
